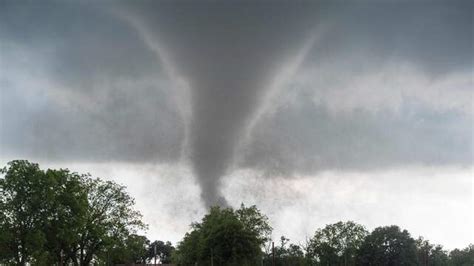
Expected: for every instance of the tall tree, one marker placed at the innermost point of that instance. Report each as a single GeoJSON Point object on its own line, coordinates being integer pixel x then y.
{"type": "Point", "coordinates": [388, 246]}
{"type": "Point", "coordinates": [54, 216]}
{"type": "Point", "coordinates": [66, 215]}
{"type": "Point", "coordinates": [336, 244]}
{"type": "Point", "coordinates": [25, 195]}
{"type": "Point", "coordinates": [110, 218]}
{"type": "Point", "coordinates": [162, 250]}
{"type": "Point", "coordinates": [224, 237]}
{"type": "Point", "coordinates": [133, 249]}
{"type": "Point", "coordinates": [429, 254]}
{"type": "Point", "coordinates": [255, 222]}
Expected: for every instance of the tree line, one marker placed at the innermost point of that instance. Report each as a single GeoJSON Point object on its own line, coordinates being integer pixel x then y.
{"type": "Point", "coordinates": [59, 217]}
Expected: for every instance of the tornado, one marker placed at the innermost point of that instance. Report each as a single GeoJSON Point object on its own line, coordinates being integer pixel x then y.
{"type": "Point", "coordinates": [229, 53]}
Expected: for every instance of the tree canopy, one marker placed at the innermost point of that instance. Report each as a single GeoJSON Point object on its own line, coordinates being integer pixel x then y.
{"type": "Point", "coordinates": [336, 244]}
{"type": "Point", "coordinates": [225, 237]}
{"type": "Point", "coordinates": [57, 216]}
{"type": "Point", "coordinates": [462, 257]}
{"type": "Point", "coordinates": [388, 245]}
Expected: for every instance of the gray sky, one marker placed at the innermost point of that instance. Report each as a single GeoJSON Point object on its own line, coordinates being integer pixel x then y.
{"type": "Point", "coordinates": [314, 111]}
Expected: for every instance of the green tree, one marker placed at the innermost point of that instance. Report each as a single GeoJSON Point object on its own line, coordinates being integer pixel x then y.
{"type": "Point", "coordinates": [224, 237]}
{"type": "Point", "coordinates": [388, 246]}
{"type": "Point", "coordinates": [336, 244]}
{"type": "Point", "coordinates": [438, 256]}
{"type": "Point", "coordinates": [189, 250]}
{"type": "Point", "coordinates": [163, 251]}
{"type": "Point", "coordinates": [54, 216]}
{"type": "Point", "coordinates": [24, 199]}
{"type": "Point", "coordinates": [464, 257]}
{"type": "Point", "coordinates": [68, 206]}
{"type": "Point", "coordinates": [132, 250]}
{"type": "Point", "coordinates": [110, 218]}
{"type": "Point", "coordinates": [255, 222]}
{"type": "Point", "coordinates": [429, 254]}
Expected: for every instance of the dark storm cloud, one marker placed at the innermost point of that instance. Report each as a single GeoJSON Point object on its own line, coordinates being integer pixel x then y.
{"type": "Point", "coordinates": [368, 46]}
{"type": "Point", "coordinates": [435, 35]}
{"type": "Point", "coordinates": [305, 138]}
{"type": "Point", "coordinates": [104, 97]}
{"type": "Point", "coordinates": [85, 83]}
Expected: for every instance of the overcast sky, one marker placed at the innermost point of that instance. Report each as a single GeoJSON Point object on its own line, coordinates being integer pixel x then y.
{"type": "Point", "coordinates": [314, 111]}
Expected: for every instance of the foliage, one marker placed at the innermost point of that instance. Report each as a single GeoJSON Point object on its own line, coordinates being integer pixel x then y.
{"type": "Point", "coordinates": [462, 257]}
{"type": "Point", "coordinates": [109, 219]}
{"type": "Point", "coordinates": [430, 255]}
{"type": "Point", "coordinates": [225, 237]}
{"type": "Point", "coordinates": [255, 222]}
{"type": "Point", "coordinates": [24, 209]}
{"type": "Point", "coordinates": [163, 251]}
{"type": "Point", "coordinates": [132, 250]}
{"type": "Point", "coordinates": [68, 206]}
{"type": "Point", "coordinates": [388, 246]}
{"type": "Point", "coordinates": [336, 244]}
{"type": "Point", "coordinates": [56, 216]}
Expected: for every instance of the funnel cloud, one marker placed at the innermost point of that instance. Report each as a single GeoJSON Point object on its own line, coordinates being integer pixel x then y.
{"type": "Point", "coordinates": [229, 53]}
